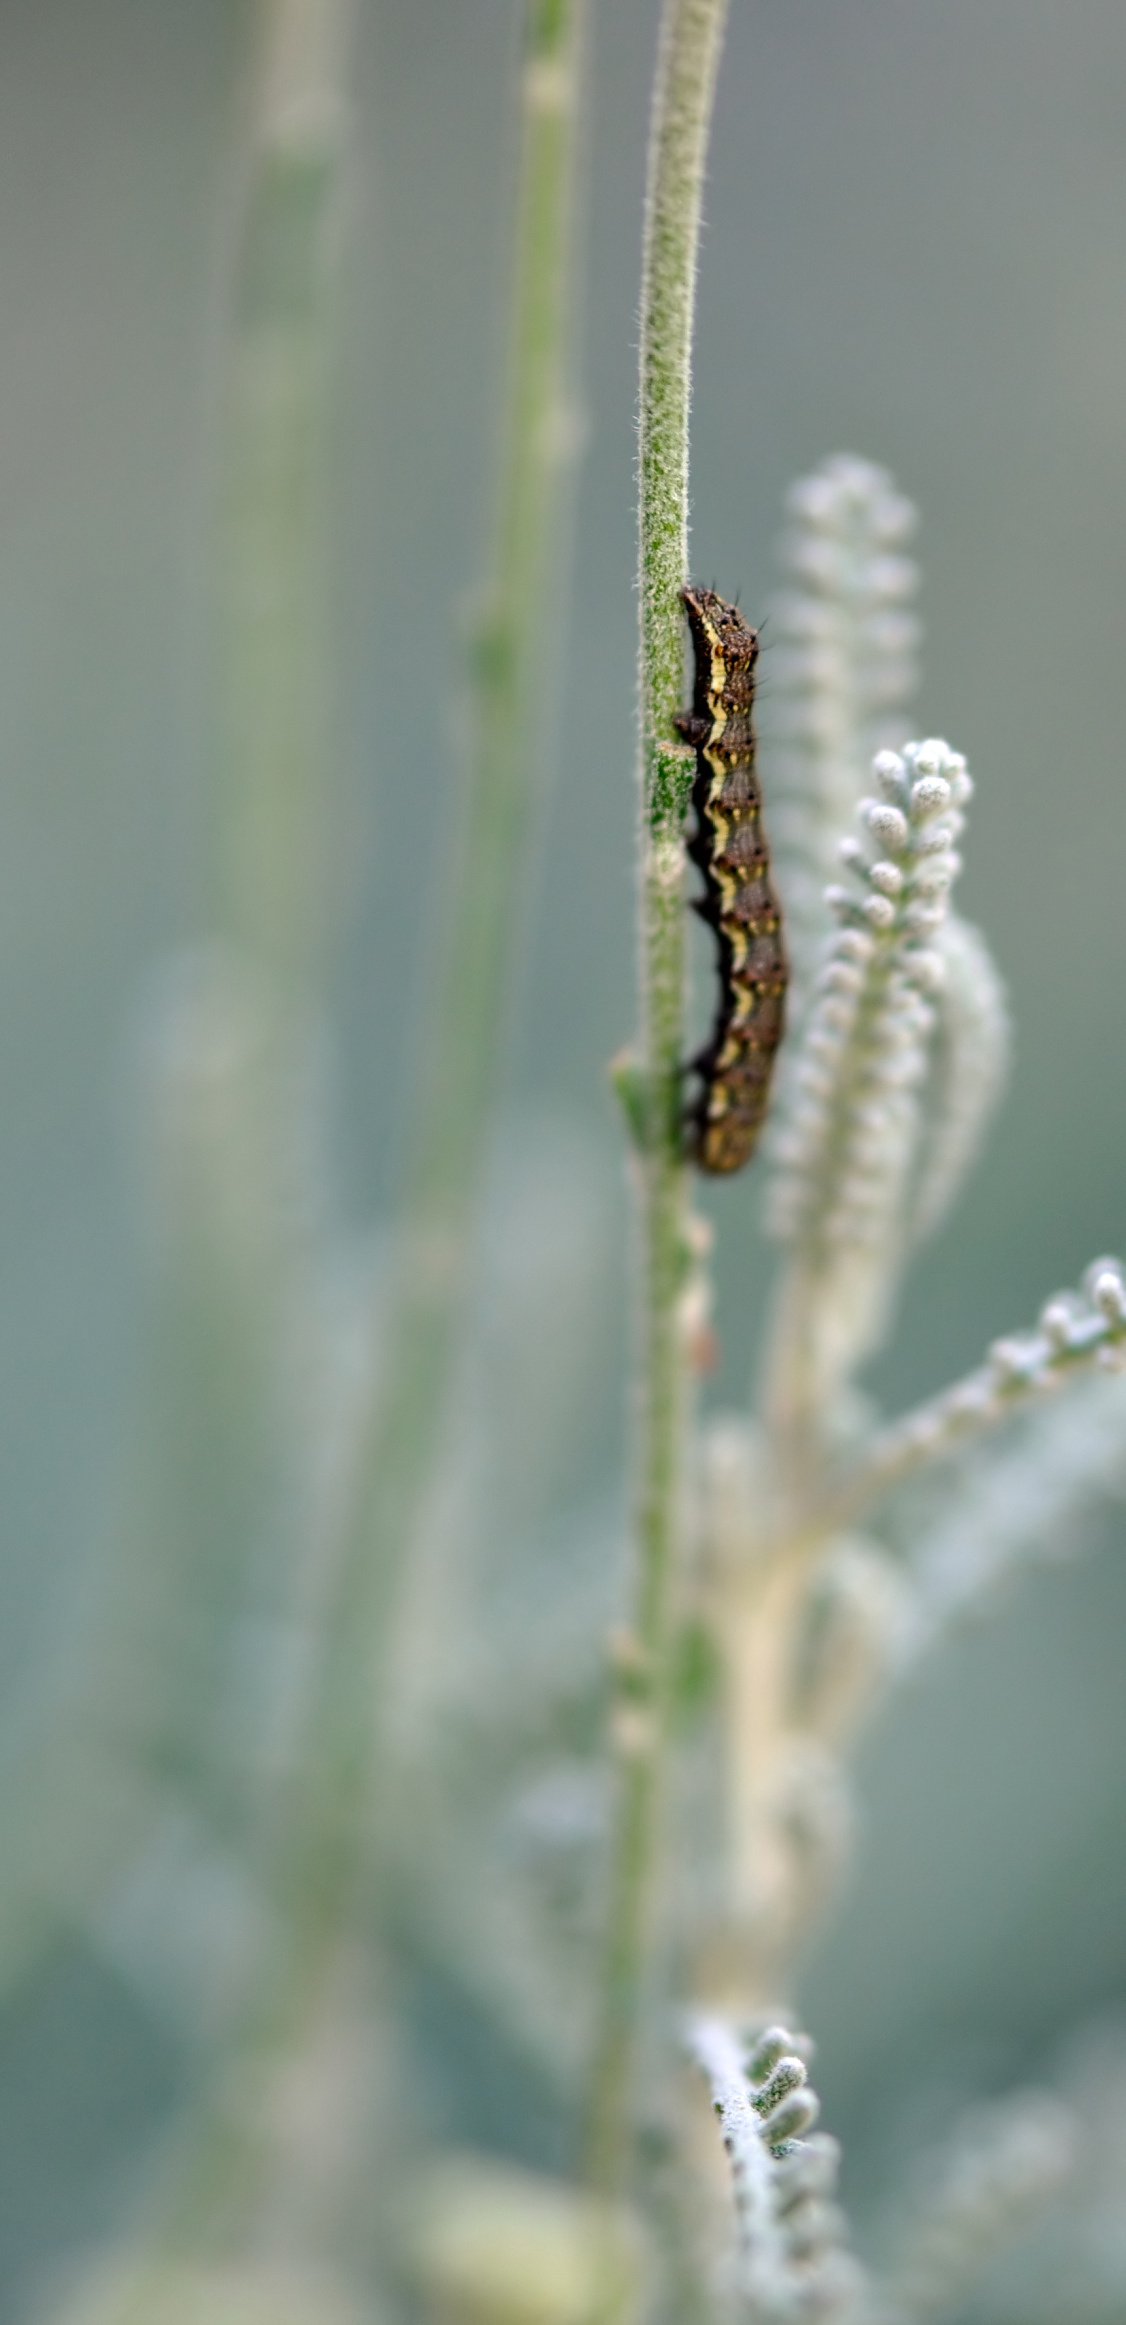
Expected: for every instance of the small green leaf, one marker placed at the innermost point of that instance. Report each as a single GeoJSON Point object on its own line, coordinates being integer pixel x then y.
{"type": "Point", "coordinates": [695, 1672]}
{"type": "Point", "coordinates": [631, 1083]}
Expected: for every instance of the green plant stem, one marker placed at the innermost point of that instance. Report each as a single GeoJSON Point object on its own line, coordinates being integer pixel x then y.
{"type": "Point", "coordinates": [240, 1247]}
{"type": "Point", "coordinates": [270, 875]}
{"type": "Point", "coordinates": [322, 1841]}
{"type": "Point", "coordinates": [691, 35]}
{"type": "Point", "coordinates": [461, 1042]}
{"type": "Point", "coordinates": [329, 1817]}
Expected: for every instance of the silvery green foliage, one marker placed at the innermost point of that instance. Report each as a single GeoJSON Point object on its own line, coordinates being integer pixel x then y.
{"type": "Point", "coordinates": [847, 1148]}
{"type": "Point", "coordinates": [1079, 1332]}
{"type": "Point", "coordinates": [842, 664]}
{"type": "Point", "coordinates": [897, 1064]}
{"type": "Point", "coordinates": [791, 2260]}
{"type": "Point", "coordinates": [896, 1067]}
{"type": "Point", "coordinates": [842, 667]}
{"type": "Point", "coordinates": [867, 1618]}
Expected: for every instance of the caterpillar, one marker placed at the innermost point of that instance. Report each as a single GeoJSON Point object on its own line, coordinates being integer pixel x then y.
{"type": "Point", "coordinates": [723, 1119]}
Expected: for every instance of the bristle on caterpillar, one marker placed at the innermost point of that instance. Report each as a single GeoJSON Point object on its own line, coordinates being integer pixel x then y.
{"type": "Point", "coordinates": [725, 1114]}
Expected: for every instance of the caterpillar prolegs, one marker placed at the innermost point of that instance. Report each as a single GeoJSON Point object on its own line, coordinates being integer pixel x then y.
{"type": "Point", "coordinates": [725, 1114]}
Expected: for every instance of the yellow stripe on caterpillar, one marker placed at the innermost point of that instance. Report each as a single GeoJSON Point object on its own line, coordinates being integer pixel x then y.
{"type": "Point", "coordinates": [724, 1115]}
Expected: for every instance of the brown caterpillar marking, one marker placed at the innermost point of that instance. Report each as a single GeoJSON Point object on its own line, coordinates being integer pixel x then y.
{"type": "Point", "coordinates": [723, 1119]}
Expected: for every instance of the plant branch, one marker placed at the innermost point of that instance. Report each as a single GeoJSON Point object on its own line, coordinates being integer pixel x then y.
{"type": "Point", "coordinates": [791, 2259]}
{"type": "Point", "coordinates": [461, 1040]}
{"type": "Point", "coordinates": [270, 874]}
{"type": "Point", "coordinates": [321, 1840]}
{"type": "Point", "coordinates": [1077, 1334]}
{"type": "Point", "coordinates": [691, 35]}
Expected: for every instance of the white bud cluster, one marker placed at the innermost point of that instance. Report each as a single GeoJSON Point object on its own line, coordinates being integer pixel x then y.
{"type": "Point", "coordinates": [849, 1135]}
{"type": "Point", "coordinates": [843, 645]}
{"type": "Point", "coordinates": [1078, 1332]}
{"type": "Point", "coordinates": [792, 2260]}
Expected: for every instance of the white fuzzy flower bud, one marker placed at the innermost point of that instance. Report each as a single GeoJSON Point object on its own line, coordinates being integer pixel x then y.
{"type": "Point", "coordinates": [890, 773]}
{"type": "Point", "coordinates": [1108, 1293]}
{"type": "Point", "coordinates": [845, 644]}
{"type": "Point", "coordinates": [787, 2072]}
{"type": "Point", "coordinates": [853, 945]}
{"type": "Point", "coordinates": [890, 578]}
{"type": "Point", "coordinates": [792, 2119]}
{"type": "Point", "coordinates": [930, 794]}
{"type": "Point", "coordinates": [927, 970]}
{"type": "Point", "coordinates": [1012, 1360]}
{"type": "Point", "coordinates": [1057, 1323]}
{"type": "Point", "coordinates": [790, 2255]}
{"type": "Point", "coordinates": [840, 977]}
{"type": "Point", "coordinates": [768, 2048]}
{"type": "Point", "coordinates": [847, 1175]}
{"type": "Point", "coordinates": [1093, 1275]}
{"type": "Point", "coordinates": [886, 823]}
{"type": "Point", "coordinates": [879, 911]}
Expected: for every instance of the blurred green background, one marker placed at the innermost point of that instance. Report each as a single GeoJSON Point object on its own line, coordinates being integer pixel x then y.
{"type": "Point", "coordinates": [915, 250]}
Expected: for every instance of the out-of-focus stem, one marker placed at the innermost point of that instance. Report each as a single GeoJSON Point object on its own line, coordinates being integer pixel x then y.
{"type": "Point", "coordinates": [267, 899]}
{"type": "Point", "coordinates": [321, 1844]}
{"type": "Point", "coordinates": [691, 36]}
{"type": "Point", "coordinates": [323, 1836]}
{"type": "Point", "coordinates": [461, 1040]}
{"type": "Point", "coordinates": [270, 877]}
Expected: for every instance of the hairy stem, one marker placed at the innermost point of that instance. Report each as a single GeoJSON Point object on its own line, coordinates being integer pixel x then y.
{"type": "Point", "coordinates": [691, 35]}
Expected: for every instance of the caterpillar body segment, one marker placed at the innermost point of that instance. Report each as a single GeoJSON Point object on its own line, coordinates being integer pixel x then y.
{"type": "Point", "coordinates": [725, 1112]}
